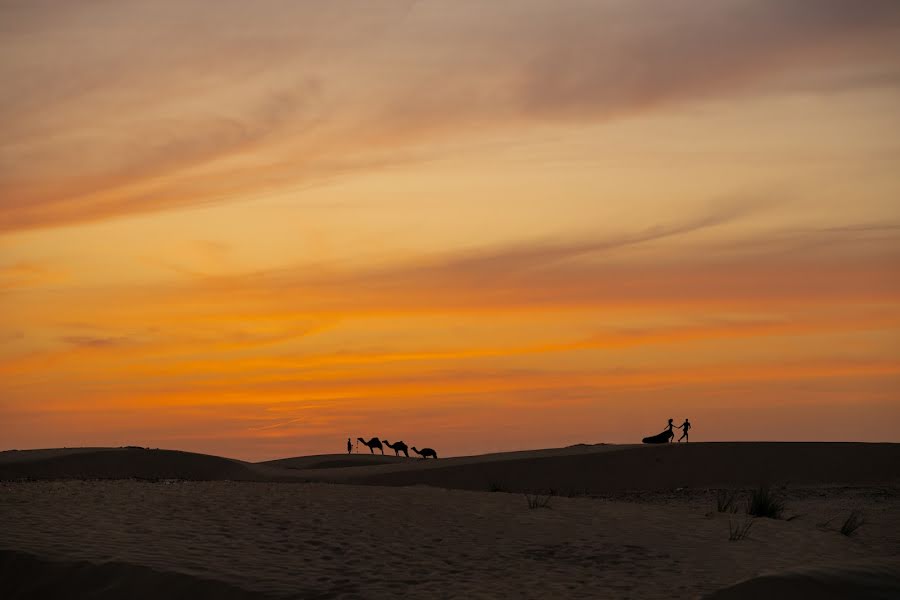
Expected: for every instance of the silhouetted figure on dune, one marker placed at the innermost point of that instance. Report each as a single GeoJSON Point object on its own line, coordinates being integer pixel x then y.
{"type": "Point", "coordinates": [372, 444]}
{"type": "Point", "coordinates": [662, 438]}
{"type": "Point", "coordinates": [425, 452]}
{"type": "Point", "coordinates": [349, 447]}
{"type": "Point", "coordinates": [397, 447]}
{"type": "Point", "coordinates": [685, 427]}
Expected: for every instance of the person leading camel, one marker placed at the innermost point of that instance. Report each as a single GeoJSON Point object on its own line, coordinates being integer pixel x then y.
{"type": "Point", "coordinates": [397, 447]}
{"type": "Point", "coordinates": [425, 452]}
{"type": "Point", "coordinates": [372, 444]}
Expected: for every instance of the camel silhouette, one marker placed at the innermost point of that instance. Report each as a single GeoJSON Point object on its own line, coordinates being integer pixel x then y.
{"type": "Point", "coordinates": [372, 444]}
{"type": "Point", "coordinates": [397, 447]}
{"type": "Point", "coordinates": [425, 452]}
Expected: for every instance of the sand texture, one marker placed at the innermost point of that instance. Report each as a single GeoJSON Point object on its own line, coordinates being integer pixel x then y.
{"type": "Point", "coordinates": [270, 531]}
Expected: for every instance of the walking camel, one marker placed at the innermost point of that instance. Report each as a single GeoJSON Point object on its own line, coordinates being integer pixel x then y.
{"type": "Point", "coordinates": [372, 444]}
{"type": "Point", "coordinates": [397, 447]}
{"type": "Point", "coordinates": [425, 452]}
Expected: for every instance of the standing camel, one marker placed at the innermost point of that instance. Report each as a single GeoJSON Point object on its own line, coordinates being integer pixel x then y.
{"type": "Point", "coordinates": [372, 444]}
{"type": "Point", "coordinates": [397, 447]}
{"type": "Point", "coordinates": [425, 452]}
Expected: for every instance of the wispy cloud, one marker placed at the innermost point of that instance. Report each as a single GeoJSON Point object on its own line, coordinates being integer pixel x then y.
{"type": "Point", "coordinates": [90, 341]}
{"type": "Point", "coordinates": [132, 107]}
{"type": "Point", "coordinates": [24, 274]}
{"type": "Point", "coordinates": [793, 267]}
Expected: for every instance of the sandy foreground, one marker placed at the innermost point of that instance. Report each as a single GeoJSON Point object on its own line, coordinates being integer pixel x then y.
{"type": "Point", "coordinates": [112, 523]}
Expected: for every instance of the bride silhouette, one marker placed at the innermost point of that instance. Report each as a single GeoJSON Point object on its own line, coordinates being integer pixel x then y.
{"type": "Point", "coordinates": [662, 438]}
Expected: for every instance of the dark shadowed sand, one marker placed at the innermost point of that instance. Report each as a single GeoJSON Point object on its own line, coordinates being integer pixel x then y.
{"type": "Point", "coordinates": [623, 522]}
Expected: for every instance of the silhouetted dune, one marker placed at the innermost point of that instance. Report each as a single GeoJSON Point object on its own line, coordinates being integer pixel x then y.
{"type": "Point", "coordinates": [124, 463]}
{"type": "Point", "coordinates": [333, 461]}
{"type": "Point", "coordinates": [866, 582]}
{"type": "Point", "coordinates": [26, 576]}
{"type": "Point", "coordinates": [580, 469]}
{"type": "Point", "coordinates": [603, 469]}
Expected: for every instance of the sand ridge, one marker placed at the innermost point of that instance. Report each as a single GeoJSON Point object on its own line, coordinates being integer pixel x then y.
{"type": "Point", "coordinates": [123, 463]}
{"type": "Point", "coordinates": [602, 468]}
{"type": "Point", "coordinates": [27, 576]}
{"type": "Point", "coordinates": [583, 469]}
{"type": "Point", "coordinates": [878, 580]}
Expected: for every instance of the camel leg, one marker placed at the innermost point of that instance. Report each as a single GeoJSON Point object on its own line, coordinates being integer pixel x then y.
{"type": "Point", "coordinates": [371, 449]}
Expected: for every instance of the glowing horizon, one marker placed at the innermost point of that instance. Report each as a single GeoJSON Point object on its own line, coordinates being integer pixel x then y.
{"type": "Point", "coordinates": [256, 231]}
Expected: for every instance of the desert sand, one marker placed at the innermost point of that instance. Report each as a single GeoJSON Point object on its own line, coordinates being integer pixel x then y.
{"type": "Point", "coordinates": [621, 522]}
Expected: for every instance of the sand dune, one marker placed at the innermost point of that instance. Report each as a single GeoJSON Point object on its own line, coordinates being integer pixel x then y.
{"type": "Point", "coordinates": [122, 463]}
{"type": "Point", "coordinates": [141, 463]}
{"type": "Point", "coordinates": [27, 577]}
{"type": "Point", "coordinates": [585, 469]}
{"type": "Point", "coordinates": [879, 581]}
{"type": "Point", "coordinates": [125, 522]}
{"type": "Point", "coordinates": [346, 541]}
{"type": "Point", "coordinates": [333, 461]}
{"type": "Point", "coordinates": [608, 468]}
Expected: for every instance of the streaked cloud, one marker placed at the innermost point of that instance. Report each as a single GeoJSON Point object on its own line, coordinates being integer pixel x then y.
{"type": "Point", "coordinates": [23, 274]}
{"type": "Point", "coordinates": [88, 341]}
{"type": "Point", "coordinates": [793, 267]}
{"type": "Point", "coordinates": [113, 109]}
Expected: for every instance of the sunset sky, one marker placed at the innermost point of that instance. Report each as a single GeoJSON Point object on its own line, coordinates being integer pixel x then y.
{"type": "Point", "coordinates": [255, 229]}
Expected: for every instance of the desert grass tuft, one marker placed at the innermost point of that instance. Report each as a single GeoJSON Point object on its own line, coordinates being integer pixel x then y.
{"type": "Point", "coordinates": [852, 523]}
{"type": "Point", "coordinates": [739, 530]}
{"type": "Point", "coordinates": [763, 503]}
{"type": "Point", "coordinates": [726, 501]}
{"type": "Point", "coordinates": [538, 500]}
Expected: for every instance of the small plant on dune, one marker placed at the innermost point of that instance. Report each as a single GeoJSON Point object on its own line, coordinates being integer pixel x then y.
{"type": "Point", "coordinates": [726, 501]}
{"type": "Point", "coordinates": [852, 523]}
{"type": "Point", "coordinates": [763, 503]}
{"type": "Point", "coordinates": [538, 500]}
{"type": "Point", "coordinates": [497, 487]}
{"type": "Point", "coordinates": [577, 492]}
{"type": "Point", "coordinates": [739, 530]}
